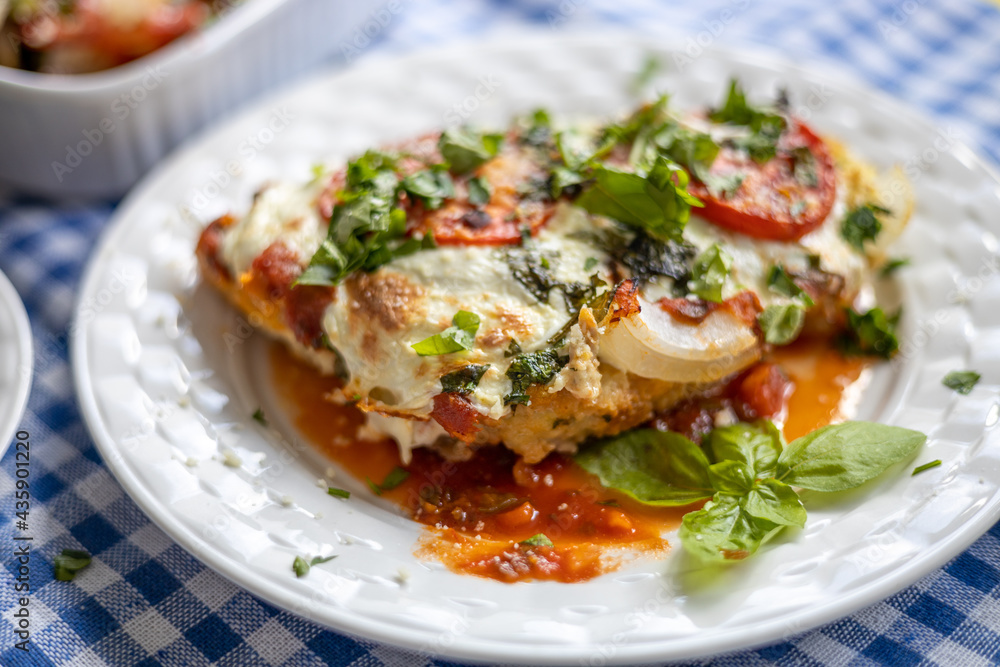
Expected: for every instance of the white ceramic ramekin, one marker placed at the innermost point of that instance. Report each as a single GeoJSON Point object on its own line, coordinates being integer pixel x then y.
{"type": "Point", "coordinates": [94, 135]}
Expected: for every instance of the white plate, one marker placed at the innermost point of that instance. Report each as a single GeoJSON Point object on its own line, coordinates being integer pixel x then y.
{"type": "Point", "coordinates": [167, 373]}
{"type": "Point", "coordinates": [16, 361]}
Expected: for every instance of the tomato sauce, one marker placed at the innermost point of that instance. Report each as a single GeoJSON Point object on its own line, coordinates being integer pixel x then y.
{"type": "Point", "coordinates": [483, 513]}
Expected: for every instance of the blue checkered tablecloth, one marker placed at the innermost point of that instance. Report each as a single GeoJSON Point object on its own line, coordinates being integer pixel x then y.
{"type": "Point", "coordinates": [145, 601]}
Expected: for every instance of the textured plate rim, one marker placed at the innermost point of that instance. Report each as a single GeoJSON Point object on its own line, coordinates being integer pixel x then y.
{"type": "Point", "coordinates": [476, 649]}
{"type": "Point", "coordinates": [11, 302]}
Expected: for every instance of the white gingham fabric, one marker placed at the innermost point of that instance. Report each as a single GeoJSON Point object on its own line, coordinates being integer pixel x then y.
{"type": "Point", "coordinates": [145, 601]}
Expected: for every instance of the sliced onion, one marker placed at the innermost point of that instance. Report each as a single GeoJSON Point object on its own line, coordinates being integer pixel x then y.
{"type": "Point", "coordinates": [653, 344]}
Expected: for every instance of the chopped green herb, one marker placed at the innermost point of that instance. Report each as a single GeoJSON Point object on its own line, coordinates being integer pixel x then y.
{"type": "Point", "coordinates": [464, 380]}
{"type": "Point", "coordinates": [927, 466]}
{"type": "Point", "coordinates": [609, 503]}
{"type": "Point", "coordinates": [432, 186]}
{"type": "Point", "coordinates": [301, 566]}
{"type": "Point", "coordinates": [782, 283]}
{"type": "Point", "coordinates": [258, 416]}
{"type": "Point", "coordinates": [765, 125]}
{"type": "Point", "coordinates": [395, 477]}
{"type": "Point", "coordinates": [724, 186]}
{"type": "Point", "coordinates": [338, 493]}
{"type": "Point", "coordinates": [460, 336]}
{"type": "Point", "coordinates": [709, 273]}
{"type": "Point", "coordinates": [513, 349]}
{"type": "Point", "coordinates": [694, 150]}
{"type": "Point", "coordinates": [871, 333]}
{"type": "Point", "coordinates": [781, 324]}
{"type": "Point", "coordinates": [961, 381]}
{"type": "Point", "coordinates": [893, 265]}
{"type": "Point", "coordinates": [539, 540]}
{"type": "Point", "coordinates": [539, 128]}
{"type": "Point", "coordinates": [646, 257]}
{"type": "Point", "coordinates": [479, 191]}
{"type": "Point", "coordinates": [590, 263]}
{"type": "Point", "coordinates": [529, 369]}
{"type": "Point", "coordinates": [366, 227]}
{"type": "Point", "coordinates": [804, 170]}
{"type": "Point", "coordinates": [862, 224]}
{"type": "Point", "coordinates": [465, 149]}
{"type": "Point", "coordinates": [69, 562]}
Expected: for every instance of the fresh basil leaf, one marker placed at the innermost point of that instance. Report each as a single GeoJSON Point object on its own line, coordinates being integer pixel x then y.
{"type": "Point", "coordinates": [654, 467]}
{"type": "Point", "coordinates": [781, 324]}
{"type": "Point", "coordinates": [465, 149]}
{"type": "Point", "coordinates": [539, 540]}
{"type": "Point", "coordinates": [656, 204]}
{"type": "Point", "coordinates": [69, 562]}
{"type": "Point", "coordinates": [927, 466]}
{"type": "Point", "coordinates": [432, 186]}
{"type": "Point", "coordinates": [723, 531]}
{"type": "Point", "coordinates": [460, 336]}
{"type": "Point", "coordinates": [757, 445]}
{"type": "Point", "coordinates": [776, 502]}
{"type": "Point", "coordinates": [862, 224]}
{"type": "Point", "coordinates": [961, 381]}
{"type": "Point", "coordinates": [479, 191]}
{"type": "Point", "coordinates": [779, 281]}
{"type": "Point", "coordinates": [709, 273]}
{"type": "Point", "coordinates": [731, 477]}
{"type": "Point", "coordinates": [843, 456]}
{"type": "Point", "coordinates": [464, 380]}
{"type": "Point", "coordinates": [529, 369]}
{"type": "Point", "coordinates": [871, 333]}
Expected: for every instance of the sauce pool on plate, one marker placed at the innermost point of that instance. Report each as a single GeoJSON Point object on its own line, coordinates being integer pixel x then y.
{"type": "Point", "coordinates": [495, 516]}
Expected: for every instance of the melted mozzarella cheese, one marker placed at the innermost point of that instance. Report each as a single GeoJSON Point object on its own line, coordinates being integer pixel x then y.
{"type": "Point", "coordinates": [283, 211]}
{"type": "Point", "coordinates": [478, 279]}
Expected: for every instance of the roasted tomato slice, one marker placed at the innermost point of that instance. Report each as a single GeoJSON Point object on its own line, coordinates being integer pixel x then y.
{"type": "Point", "coordinates": [782, 199]}
{"type": "Point", "coordinates": [519, 199]}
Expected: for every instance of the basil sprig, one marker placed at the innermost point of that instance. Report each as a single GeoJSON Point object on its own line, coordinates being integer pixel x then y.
{"type": "Point", "coordinates": [461, 335]}
{"type": "Point", "coordinates": [748, 473]}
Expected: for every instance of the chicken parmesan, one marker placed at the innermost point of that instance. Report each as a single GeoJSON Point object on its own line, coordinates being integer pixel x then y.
{"type": "Point", "coordinates": [553, 283]}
